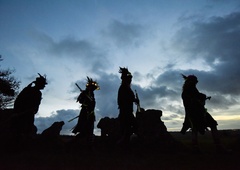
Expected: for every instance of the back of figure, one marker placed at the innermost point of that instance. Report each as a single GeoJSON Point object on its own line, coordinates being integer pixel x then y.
{"type": "Point", "coordinates": [196, 116]}
{"type": "Point", "coordinates": [125, 99]}
{"type": "Point", "coordinates": [26, 106]}
{"type": "Point", "coordinates": [28, 99]}
{"type": "Point", "coordinates": [194, 108]}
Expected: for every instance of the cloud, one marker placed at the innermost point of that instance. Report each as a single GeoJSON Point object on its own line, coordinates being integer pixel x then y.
{"type": "Point", "coordinates": [107, 95]}
{"type": "Point", "coordinates": [81, 51]}
{"type": "Point", "coordinates": [124, 34]}
{"type": "Point", "coordinates": [170, 117]}
{"type": "Point", "coordinates": [215, 40]}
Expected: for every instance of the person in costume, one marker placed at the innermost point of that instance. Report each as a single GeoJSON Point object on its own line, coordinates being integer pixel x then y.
{"type": "Point", "coordinates": [26, 106]}
{"type": "Point", "coordinates": [196, 116]}
{"type": "Point", "coordinates": [86, 119]}
{"type": "Point", "coordinates": [125, 100]}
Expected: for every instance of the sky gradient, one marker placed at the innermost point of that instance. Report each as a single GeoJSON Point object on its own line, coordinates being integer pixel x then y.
{"type": "Point", "coordinates": [157, 40]}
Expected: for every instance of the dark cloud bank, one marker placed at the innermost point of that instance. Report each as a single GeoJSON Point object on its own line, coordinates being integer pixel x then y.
{"type": "Point", "coordinates": [216, 41]}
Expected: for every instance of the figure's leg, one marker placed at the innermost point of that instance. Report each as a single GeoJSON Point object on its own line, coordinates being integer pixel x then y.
{"type": "Point", "coordinates": [216, 138]}
{"type": "Point", "coordinates": [128, 133]}
{"type": "Point", "coordinates": [135, 126]}
{"type": "Point", "coordinates": [185, 127]}
{"type": "Point", "coordinates": [29, 128]}
{"type": "Point", "coordinates": [90, 135]}
{"type": "Point", "coordinates": [195, 147]}
{"type": "Point", "coordinates": [122, 134]}
{"type": "Point", "coordinates": [126, 130]}
{"type": "Point", "coordinates": [215, 135]}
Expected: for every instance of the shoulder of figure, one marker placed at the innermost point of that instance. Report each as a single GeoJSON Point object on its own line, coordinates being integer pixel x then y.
{"type": "Point", "coordinates": [83, 92]}
{"type": "Point", "coordinates": [26, 90]}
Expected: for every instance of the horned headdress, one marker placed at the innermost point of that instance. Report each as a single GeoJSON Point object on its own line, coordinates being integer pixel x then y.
{"type": "Point", "coordinates": [41, 79]}
{"type": "Point", "coordinates": [125, 73]}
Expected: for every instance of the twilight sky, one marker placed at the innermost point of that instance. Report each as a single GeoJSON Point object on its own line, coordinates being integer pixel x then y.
{"type": "Point", "coordinates": [156, 39]}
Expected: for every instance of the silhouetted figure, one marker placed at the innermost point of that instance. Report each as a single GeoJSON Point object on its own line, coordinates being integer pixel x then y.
{"type": "Point", "coordinates": [26, 106]}
{"type": "Point", "coordinates": [196, 116]}
{"type": "Point", "coordinates": [85, 125]}
{"type": "Point", "coordinates": [126, 98]}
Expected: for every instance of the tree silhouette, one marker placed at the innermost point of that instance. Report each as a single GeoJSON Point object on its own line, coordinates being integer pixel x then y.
{"type": "Point", "coordinates": [8, 87]}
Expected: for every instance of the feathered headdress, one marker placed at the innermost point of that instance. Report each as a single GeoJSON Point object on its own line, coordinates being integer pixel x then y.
{"type": "Point", "coordinates": [90, 82]}
{"type": "Point", "coordinates": [125, 73]}
{"type": "Point", "coordinates": [41, 79]}
{"type": "Point", "coordinates": [184, 77]}
{"type": "Point", "coordinates": [189, 78]}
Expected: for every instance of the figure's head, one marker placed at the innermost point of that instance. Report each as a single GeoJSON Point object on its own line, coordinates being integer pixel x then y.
{"type": "Point", "coordinates": [126, 75]}
{"type": "Point", "coordinates": [40, 81]}
{"type": "Point", "coordinates": [190, 80]}
{"type": "Point", "coordinates": [92, 85]}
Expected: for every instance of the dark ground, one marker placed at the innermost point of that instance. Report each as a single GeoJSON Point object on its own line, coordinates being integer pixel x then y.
{"type": "Point", "coordinates": [164, 155]}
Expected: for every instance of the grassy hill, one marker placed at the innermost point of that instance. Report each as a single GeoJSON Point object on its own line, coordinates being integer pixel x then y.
{"type": "Point", "coordinates": [174, 154]}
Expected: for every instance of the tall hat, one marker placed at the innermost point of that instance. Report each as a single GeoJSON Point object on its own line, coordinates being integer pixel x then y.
{"type": "Point", "coordinates": [190, 78]}
{"type": "Point", "coordinates": [125, 73]}
{"type": "Point", "coordinates": [40, 79]}
{"type": "Point", "coordinates": [92, 83]}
